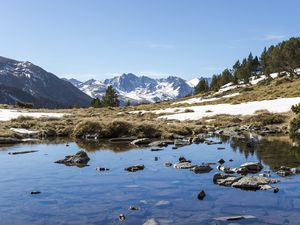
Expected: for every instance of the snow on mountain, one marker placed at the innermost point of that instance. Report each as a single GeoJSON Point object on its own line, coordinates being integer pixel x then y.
{"type": "Point", "coordinates": [139, 89]}
{"type": "Point", "coordinates": [24, 81]}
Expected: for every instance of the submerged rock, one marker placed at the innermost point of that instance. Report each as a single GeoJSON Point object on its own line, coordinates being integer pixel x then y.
{"type": "Point", "coordinates": [150, 222]}
{"type": "Point", "coordinates": [79, 159]}
{"type": "Point", "coordinates": [22, 152]}
{"type": "Point", "coordinates": [102, 169]}
{"type": "Point", "coordinates": [122, 217]}
{"type": "Point", "coordinates": [135, 168]}
{"type": "Point", "coordinates": [134, 208]}
{"type": "Point", "coordinates": [168, 164]}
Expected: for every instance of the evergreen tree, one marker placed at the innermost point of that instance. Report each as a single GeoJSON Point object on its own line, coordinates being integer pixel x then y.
{"type": "Point", "coordinates": [96, 103]}
{"type": "Point", "coordinates": [202, 86]}
{"type": "Point", "coordinates": [128, 103]}
{"type": "Point", "coordinates": [110, 98]}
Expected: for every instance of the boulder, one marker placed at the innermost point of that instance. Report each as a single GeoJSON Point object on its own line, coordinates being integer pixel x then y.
{"type": "Point", "coordinates": [225, 179]}
{"type": "Point", "coordinates": [202, 169]}
{"type": "Point", "coordinates": [80, 159]}
{"type": "Point", "coordinates": [287, 171]}
{"type": "Point", "coordinates": [253, 182]}
{"type": "Point", "coordinates": [201, 195]}
{"type": "Point", "coordinates": [141, 141]}
{"type": "Point", "coordinates": [251, 167]}
{"type": "Point", "coordinates": [135, 168]}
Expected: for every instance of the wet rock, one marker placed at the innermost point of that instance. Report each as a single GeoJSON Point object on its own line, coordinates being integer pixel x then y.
{"type": "Point", "coordinates": [35, 192]}
{"type": "Point", "coordinates": [135, 168]}
{"type": "Point", "coordinates": [156, 158]}
{"type": "Point", "coordinates": [221, 148]}
{"type": "Point", "coordinates": [22, 152]}
{"type": "Point", "coordinates": [141, 141]}
{"type": "Point", "coordinates": [276, 190]}
{"type": "Point", "coordinates": [198, 139]}
{"type": "Point", "coordinates": [221, 161]}
{"type": "Point", "coordinates": [182, 142]}
{"type": "Point", "coordinates": [184, 165]}
{"type": "Point", "coordinates": [174, 147]}
{"type": "Point", "coordinates": [168, 164]}
{"type": "Point", "coordinates": [162, 143]}
{"type": "Point", "coordinates": [9, 140]}
{"type": "Point", "coordinates": [225, 179]}
{"type": "Point", "coordinates": [102, 169]}
{"type": "Point", "coordinates": [253, 182]}
{"type": "Point", "coordinates": [122, 217]}
{"type": "Point", "coordinates": [79, 159]}
{"type": "Point", "coordinates": [251, 167]}
{"type": "Point", "coordinates": [210, 142]}
{"type": "Point", "coordinates": [226, 169]}
{"type": "Point", "coordinates": [230, 160]}
{"type": "Point", "coordinates": [156, 149]}
{"type": "Point", "coordinates": [201, 195]}
{"type": "Point", "coordinates": [287, 171]}
{"type": "Point", "coordinates": [202, 169]}
{"type": "Point", "coordinates": [162, 203]}
{"type": "Point", "coordinates": [134, 208]}
{"type": "Point", "coordinates": [183, 159]}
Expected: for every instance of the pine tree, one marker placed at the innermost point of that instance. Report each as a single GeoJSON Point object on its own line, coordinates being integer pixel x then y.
{"type": "Point", "coordinates": [202, 86]}
{"type": "Point", "coordinates": [96, 103]}
{"type": "Point", "coordinates": [110, 98]}
{"type": "Point", "coordinates": [128, 103]}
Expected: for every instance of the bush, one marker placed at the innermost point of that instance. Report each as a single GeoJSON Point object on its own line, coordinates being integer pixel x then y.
{"type": "Point", "coordinates": [267, 119]}
{"type": "Point", "coordinates": [295, 127]}
{"type": "Point", "coordinates": [88, 127]}
{"type": "Point", "coordinates": [296, 108]}
{"type": "Point", "coordinates": [24, 104]}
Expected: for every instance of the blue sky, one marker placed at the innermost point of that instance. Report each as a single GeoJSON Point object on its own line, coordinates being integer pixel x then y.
{"type": "Point", "coordinates": [99, 39]}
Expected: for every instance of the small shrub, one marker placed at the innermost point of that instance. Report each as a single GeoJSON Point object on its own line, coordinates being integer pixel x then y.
{"type": "Point", "coordinates": [26, 105]}
{"type": "Point", "coordinates": [295, 127]}
{"type": "Point", "coordinates": [296, 108]}
{"type": "Point", "coordinates": [188, 110]}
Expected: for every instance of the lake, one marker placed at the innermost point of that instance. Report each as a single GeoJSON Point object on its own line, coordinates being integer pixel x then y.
{"type": "Point", "coordinates": [73, 195]}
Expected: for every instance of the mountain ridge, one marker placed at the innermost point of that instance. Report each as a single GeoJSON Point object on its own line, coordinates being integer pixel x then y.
{"type": "Point", "coordinates": [139, 89]}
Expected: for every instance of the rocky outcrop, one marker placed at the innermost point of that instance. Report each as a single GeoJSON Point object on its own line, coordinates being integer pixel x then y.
{"type": "Point", "coordinates": [202, 169]}
{"type": "Point", "coordinates": [287, 171]}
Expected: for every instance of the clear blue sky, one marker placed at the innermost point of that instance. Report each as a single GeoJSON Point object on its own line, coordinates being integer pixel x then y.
{"type": "Point", "coordinates": [97, 38]}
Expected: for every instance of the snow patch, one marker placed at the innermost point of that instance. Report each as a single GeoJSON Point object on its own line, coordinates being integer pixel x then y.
{"type": "Point", "coordinates": [8, 114]}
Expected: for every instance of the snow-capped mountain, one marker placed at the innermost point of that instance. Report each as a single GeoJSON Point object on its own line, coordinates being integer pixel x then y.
{"type": "Point", "coordinates": [139, 89]}
{"type": "Point", "coordinates": [25, 81]}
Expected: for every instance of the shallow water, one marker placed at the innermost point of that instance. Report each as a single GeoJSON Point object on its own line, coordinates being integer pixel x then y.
{"type": "Point", "coordinates": [72, 195]}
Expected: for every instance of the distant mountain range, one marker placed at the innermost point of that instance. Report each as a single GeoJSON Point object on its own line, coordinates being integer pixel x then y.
{"type": "Point", "coordinates": [26, 82]}
{"type": "Point", "coordinates": [139, 89]}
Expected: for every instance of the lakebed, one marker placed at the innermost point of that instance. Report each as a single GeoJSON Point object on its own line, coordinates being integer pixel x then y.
{"type": "Point", "coordinates": [162, 195]}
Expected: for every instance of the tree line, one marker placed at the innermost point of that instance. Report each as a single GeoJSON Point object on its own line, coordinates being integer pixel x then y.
{"type": "Point", "coordinates": [283, 57]}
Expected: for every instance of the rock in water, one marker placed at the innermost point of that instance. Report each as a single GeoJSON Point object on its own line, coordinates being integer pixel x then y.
{"type": "Point", "coordinates": [202, 169]}
{"type": "Point", "coordinates": [201, 195]}
{"type": "Point", "coordinates": [221, 161]}
{"type": "Point", "coordinates": [251, 167]}
{"type": "Point", "coordinates": [135, 168]}
{"type": "Point", "coordinates": [122, 217]}
{"type": "Point", "coordinates": [150, 222]}
{"type": "Point", "coordinates": [253, 182]}
{"type": "Point", "coordinates": [80, 159]}
{"type": "Point", "coordinates": [184, 165]}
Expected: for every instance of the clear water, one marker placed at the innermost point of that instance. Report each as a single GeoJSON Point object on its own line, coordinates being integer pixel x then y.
{"type": "Point", "coordinates": [72, 195]}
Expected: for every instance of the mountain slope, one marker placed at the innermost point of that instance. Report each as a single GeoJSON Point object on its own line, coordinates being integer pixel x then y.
{"type": "Point", "coordinates": [139, 89]}
{"type": "Point", "coordinates": [39, 84]}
